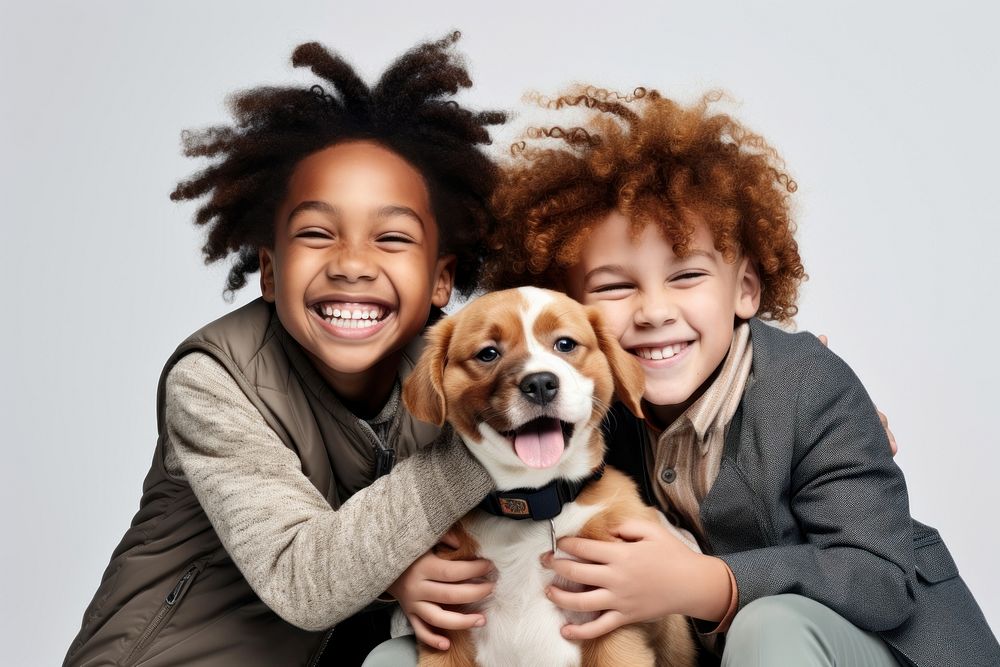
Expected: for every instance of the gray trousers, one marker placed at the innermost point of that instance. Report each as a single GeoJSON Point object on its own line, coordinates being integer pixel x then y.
{"type": "Point", "coordinates": [796, 630]}
{"type": "Point", "coordinates": [773, 631]}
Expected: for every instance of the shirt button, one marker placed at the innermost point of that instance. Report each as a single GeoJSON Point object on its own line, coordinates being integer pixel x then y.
{"type": "Point", "coordinates": [668, 475]}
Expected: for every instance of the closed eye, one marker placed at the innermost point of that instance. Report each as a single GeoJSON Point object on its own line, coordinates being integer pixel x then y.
{"type": "Point", "coordinates": [395, 238]}
{"type": "Point", "coordinates": [690, 275]}
{"type": "Point", "coordinates": [615, 287]}
{"type": "Point", "coordinates": [313, 234]}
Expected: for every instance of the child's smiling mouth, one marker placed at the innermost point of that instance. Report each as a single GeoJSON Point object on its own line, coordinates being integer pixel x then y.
{"type": "Point", "coordinates": [351, 319]}
{"type": "Point", "coordinates": [660, 352]}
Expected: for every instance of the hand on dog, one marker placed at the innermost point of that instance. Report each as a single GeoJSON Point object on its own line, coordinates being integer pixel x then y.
{"type": "Point", "coordinates": [432, 581]}
{"type": "Point", "coordinates": [881, 415]}
{"type": "Point", "coordinates": [648, 574]}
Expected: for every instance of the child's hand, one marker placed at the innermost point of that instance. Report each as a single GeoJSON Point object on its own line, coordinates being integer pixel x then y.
{"type": "Point", "coordinates": [649, 574]}
{"type": "Point", "coordinates": [881, 415]}
{"type": "Point", "coordinates": [432, 581]}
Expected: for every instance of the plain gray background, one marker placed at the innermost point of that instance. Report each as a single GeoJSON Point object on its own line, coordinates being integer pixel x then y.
{"type": "Point", "coordinates": [885, 113]}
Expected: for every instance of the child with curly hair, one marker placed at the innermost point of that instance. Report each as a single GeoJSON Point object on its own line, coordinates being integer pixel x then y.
{"type": "Point", "coordinates": [267, 516]}
{"type": "Point", "coordinates": [674, 223]}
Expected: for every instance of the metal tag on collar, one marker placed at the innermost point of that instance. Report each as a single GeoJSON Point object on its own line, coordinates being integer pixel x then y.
{"type": "Point", "coordinates": [516, 507]}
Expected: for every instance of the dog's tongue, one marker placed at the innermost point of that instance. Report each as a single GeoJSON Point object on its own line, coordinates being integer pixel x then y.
{"type": "Point", "coordinates": [540, 443]}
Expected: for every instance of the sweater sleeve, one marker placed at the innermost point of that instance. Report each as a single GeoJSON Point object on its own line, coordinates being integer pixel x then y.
{"type": "Point", "coordinates": [313, 565]}
{"type": "Point", "coordinates": [850, 502]}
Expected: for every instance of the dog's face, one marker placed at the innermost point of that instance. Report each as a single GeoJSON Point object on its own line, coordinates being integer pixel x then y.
{"type": "Point", "coordinates": [525, 377]}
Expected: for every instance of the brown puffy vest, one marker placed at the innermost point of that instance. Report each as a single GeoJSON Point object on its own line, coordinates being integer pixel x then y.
{"type": "Point", "coordinates": [171, 595]}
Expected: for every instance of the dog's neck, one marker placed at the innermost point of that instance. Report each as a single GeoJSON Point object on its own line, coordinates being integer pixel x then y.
{"type": "Point", "coordinates": [537, 504]}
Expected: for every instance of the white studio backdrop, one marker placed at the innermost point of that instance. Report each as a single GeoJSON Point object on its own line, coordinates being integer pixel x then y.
{"type": "Point", "coordinates": [884, 113]}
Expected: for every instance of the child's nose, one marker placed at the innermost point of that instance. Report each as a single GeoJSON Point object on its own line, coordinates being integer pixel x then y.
{"type": "Point", "coordinates": [352, 262]}
{"type": "Point", "coordinates": [655, 311]}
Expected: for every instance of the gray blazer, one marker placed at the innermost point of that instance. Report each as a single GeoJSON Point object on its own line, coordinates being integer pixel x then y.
{"type": "Point", "coordinates": [809, 501]}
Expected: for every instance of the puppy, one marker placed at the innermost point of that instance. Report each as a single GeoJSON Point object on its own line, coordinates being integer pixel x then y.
{"type": "Point", "coordinates": [525, 377]}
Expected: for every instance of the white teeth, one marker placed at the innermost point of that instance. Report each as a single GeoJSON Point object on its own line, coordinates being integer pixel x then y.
{"type": "Point", "coordinates": [362, 318]}
{"type": "Point", "coordinates": [346, 323]}
{"type": "Point", "coordinates": [658, 353]}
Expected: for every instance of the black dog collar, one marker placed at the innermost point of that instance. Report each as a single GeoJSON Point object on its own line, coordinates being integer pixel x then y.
{"type": "Point", "coordinates": [537, 504]}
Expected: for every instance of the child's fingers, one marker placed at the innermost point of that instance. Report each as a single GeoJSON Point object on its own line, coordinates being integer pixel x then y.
{"type": "Point", "coordinates": [462, 593]}
{"type": "Point", "coordinates": [885, 424]}
{"type": "Point", "coordinates": [823, 339]}
{"type": "Point", "coordinates": [588, 574]}
{"type": "Point", "coordinates": [595, 551]}
{"type": "Point", "coordinates": [445, 619]}
{"type": "Point", "coordinates": [598, 599]}
{"type": "Point", "coordinates": [633, 530]}
{"type": "Point", "coordinates": [426, 636]}
{"type": "Point", "coordinates": [602, 625]}
{"type": "Point", "coordinates": [450, 539]}
{"type": "Point", "coordinates": [458, 570]}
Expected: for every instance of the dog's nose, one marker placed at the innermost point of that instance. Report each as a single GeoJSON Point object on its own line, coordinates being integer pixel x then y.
{"type": "Point", "coordinates": [540, 388]}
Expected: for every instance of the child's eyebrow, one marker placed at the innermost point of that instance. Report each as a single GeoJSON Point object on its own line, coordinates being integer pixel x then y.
{"type": "Point", "coordinates": [312, 205]}
{"type": "Point", "coordinates": [397, 209]}
{"type": "Point", "coordinates": [697, 252]}
{"type": "Point", "coordinates": [610, 268]}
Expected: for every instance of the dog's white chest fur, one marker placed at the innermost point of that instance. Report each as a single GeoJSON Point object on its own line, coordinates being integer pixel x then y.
{"type": "Point", "coordinates": [522, 626]}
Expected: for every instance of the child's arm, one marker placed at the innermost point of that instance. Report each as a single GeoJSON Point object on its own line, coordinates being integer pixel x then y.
{"type": "Point", "coordinates": [849, 501]}
{"type": "Point", "coordinates": [312, 565]}
{"type": "Point", "coordinates": [882, 417]}
{"type": "Point", "coordinates": [649, 574]}
{"type": "Point", "coordinates": [431, 583]}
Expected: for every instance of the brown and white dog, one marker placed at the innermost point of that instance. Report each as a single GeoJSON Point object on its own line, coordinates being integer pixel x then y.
{"type": "Point", "coordinates": [525, 377]}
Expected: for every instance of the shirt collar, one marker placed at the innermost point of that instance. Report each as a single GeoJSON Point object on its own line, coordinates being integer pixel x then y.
{"type": "Point", "coordinates": [717, 405]}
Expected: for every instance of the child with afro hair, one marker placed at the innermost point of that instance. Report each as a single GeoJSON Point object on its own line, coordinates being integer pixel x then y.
{"type": "Point", "coordinates": [269, 514]}
{"type": "Point", "coordinates": [674, 222]}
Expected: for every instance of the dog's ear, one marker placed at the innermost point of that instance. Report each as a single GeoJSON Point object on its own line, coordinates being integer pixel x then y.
{"type": "Point", "coordinates": [626, 372]}
{"type": "Point", "coordinates": [423, 390]}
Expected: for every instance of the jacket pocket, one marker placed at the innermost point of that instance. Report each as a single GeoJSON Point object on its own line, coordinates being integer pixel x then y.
{"type": "Point", "coordinates": [933, 560]}
{"type": "Point", "coordinates": [163, 614]}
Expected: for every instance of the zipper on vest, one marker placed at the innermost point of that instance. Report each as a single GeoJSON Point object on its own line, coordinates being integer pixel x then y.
{"type": "Point", "coordinates": [166, 610]}
{"type": "Point", "coordinates": [385, 457]}
{"type": "Point", "coordinates": [322, 647]}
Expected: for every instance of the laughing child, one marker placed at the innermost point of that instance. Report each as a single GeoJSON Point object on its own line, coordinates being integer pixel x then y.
{"type": "Point", "coordinates": [267, 517]}
{"type": "Point", "coordinates": [674, 223]}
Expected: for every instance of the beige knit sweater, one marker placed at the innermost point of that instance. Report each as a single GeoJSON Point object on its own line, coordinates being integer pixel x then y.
{"type": "Point", "coordinates": [313, 565]}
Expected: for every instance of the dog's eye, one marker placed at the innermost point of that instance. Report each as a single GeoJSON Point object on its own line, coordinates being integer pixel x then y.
{"type": "Point", "coordinates": [565, 345]}
{"type": "Point", "coordinates": [488, 354]}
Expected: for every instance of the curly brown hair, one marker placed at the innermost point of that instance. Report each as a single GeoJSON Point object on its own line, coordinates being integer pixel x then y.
{"type": "Point", "coordinates": [409, 110]}
{"type": "Point", "coordinates": [655, 161]}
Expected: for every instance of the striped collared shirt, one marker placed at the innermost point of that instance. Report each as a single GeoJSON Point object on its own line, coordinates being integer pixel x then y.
{"type": "Point", "coordinates": [687, 455]}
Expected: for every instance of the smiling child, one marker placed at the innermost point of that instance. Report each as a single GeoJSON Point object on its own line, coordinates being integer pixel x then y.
{"type": "Point", "coordinates": [268, 517]}
{"type": "Point", "coordinates": [674, 223]}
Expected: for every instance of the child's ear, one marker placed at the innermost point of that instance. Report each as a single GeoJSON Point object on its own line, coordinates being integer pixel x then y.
{"type": "Point", "coordinates": [626, 372]}
{"type": "Point", "coordinates": [266, 261]}
{"type": "Point", "coordinates": [444, 280]}
{"type": "Point", "coordinates": [749, 287]}
{"type": "Point", "coordinates": [423, 390]}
